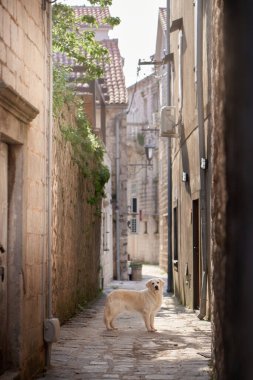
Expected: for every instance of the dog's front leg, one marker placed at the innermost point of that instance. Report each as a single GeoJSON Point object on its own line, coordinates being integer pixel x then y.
{"type": "Point", "coordinates": [146, 317]}
{"type": "Point", "coordinates": [152, 320]}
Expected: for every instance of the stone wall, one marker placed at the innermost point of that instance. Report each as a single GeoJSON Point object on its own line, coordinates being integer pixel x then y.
{"type": "Point", "coordinates": [24, 127]}
{"type": "Point", "coordinates": [232, 189]}
{"type": "Point", "coordinates": [106, 256]}
{"type": "Point", "coordinates": [143, 245]}
{"type": "Point", "coordinates": [76, 233]}
{"type": "Point", "coordinates": [112, 113]}
{"type": "Point", "coordinates": [218, 186]}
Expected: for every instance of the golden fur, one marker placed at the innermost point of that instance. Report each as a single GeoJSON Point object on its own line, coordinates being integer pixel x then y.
{"type": "Point", "coordinates": [147, 302]}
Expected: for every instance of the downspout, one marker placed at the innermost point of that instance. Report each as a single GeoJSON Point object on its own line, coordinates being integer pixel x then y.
{"type": "Point", "coordinates": [117, 179]}
{"type": "Point", "coordinates": [169, 193]}
{"type": "Point", "coordinates": [202, 154]}
{"type": "Point", "coordinates": [49, 224]}
{"type": "Point", "coordinates": [49, 181]}
{"type": "Point", "coordinates": [51, 325]}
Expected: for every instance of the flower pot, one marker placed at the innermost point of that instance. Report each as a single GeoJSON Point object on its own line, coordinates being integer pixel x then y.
{"type": "Point", "coordinates": [136, 271]}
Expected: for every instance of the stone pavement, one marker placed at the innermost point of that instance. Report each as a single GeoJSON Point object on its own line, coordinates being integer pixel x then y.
{"type": "Point", "coordinates": [179, 350]}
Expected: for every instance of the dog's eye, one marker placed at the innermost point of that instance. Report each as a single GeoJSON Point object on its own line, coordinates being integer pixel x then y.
{"type": "Point", "coordinates": [153, 283]}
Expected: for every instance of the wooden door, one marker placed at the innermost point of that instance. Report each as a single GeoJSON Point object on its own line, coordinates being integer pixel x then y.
{"type": "Point", "coordinates": [196, 254]}
{"type": "Point", "coordinates": [3, 252]}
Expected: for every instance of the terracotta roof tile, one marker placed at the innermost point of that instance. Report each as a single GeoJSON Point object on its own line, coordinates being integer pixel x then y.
{"type": "Point", "coordinates": [98, 13]}
{"type": "Point", "coordinates": [114, 76]}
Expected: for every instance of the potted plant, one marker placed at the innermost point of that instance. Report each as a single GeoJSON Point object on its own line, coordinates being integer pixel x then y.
{"type": "Point", "coordinates": [136, 268]}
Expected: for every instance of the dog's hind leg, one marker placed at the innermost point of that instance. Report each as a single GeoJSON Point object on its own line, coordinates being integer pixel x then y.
{"type": "Point", "coordinates": [107, 318]}
{"type": "Point", "coordinates": [112, 325]}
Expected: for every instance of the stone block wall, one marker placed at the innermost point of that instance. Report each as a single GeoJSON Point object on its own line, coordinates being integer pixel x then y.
{"type": "Point", "coordinates": [143, 245]}
{"type": "Point", "coordinates": [76, 234]}
{"type": "Point", "coordinates": [111, 114]}
{"type": "Point", "coordinates": [24, 127]}
{"type": "Point", "coordinates": [219, 199]}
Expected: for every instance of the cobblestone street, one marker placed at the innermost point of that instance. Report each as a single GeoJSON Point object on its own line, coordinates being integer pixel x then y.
{"type": "Point", "coordinates": [179, 350]}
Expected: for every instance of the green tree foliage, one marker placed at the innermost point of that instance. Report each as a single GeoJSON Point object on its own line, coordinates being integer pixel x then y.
{"type": "Point", "coordinates": [87, 153]}
{"type": "Point", "coordinates": [81, 46]}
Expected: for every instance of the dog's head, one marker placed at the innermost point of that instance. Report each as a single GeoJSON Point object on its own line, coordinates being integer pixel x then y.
{"type": "Point", "coordinates": [155, 284]}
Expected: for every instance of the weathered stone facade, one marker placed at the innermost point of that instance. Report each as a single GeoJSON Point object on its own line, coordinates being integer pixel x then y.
{"type": "Point", "coordinates": [24, 131]}
{"type": "Point", "coordinates": [219, 191]}
{"type": "Point", "coordinates": [143, 130]}
{"type": "Point", "coordinates": [117, 151]}
{"type": "Point", "coordinates": [190, 207]}
{"type": "Point", "coordinates": [75, 231]}
{"type": "Point", "coordinates": [232, 222]}
{"type": "Point", "coordinates": [106, 250]}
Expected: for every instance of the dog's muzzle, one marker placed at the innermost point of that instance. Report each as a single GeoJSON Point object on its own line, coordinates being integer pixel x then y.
{"type": "Point", "coordinates": [156, 287]}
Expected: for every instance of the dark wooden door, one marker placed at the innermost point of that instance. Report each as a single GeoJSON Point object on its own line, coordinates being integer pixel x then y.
{"type": "Point", "coordinates": [3, 252]}
{"type": "Point", "coordinates": [196, 254]}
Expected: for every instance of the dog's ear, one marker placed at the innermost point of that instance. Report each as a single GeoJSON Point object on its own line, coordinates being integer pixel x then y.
{"type": "Point", "coordinates": [161, 281]}
{"type": "Point", "coordinates": [148, 284]}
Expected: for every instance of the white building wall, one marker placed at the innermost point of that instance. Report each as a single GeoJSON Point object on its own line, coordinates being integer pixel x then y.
{"type": "Point", "coordinates": [106, 255]}
{"type": "Point", "coordinates": [143, 244]}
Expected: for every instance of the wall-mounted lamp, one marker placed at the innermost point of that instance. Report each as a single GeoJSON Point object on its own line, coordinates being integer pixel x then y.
{"type": "Point", "coordinates": [149, 146]}
{"type": "Point", "coordinates": [149, 153]}
{"type": "Point", "coordinates": [184, 177]}
{"type": "Point", "coordinates": [204, 163]}
{"type": "Point", "coordinates": [44, 3]}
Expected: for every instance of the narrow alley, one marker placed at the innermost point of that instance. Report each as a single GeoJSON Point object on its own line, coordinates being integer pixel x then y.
{"type": "Point", "coordinates": [180, 349]}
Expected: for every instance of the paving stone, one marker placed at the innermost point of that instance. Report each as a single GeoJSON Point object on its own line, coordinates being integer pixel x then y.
{"type": "Point", "coordinates": [179, 350]}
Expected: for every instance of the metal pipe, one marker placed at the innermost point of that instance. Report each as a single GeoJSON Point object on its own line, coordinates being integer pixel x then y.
{"type": "Point", "coordinates": [117, 179]}
{"type": "Point", "coordinates": [49, 180]}
{"type": "Point", "coordinates": [49, 174]}
{"type": "Point", "coordinates": [169, 193]}
{"type": "Point", "coordinates": [202, 154]}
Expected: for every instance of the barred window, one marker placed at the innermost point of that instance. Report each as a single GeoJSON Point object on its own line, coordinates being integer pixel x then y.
{"type": "Point", "coordinates": [133, 225]}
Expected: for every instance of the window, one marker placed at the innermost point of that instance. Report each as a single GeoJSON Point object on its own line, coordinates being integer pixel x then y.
{"type": "Point", "coordinates": [145, 227]}
{"type": "Point", "coordinates": [133, 225]}
{"type": "Point", "coordinates": [155, 102]}
{"type": "Point", "coordinates": [134, 205]}
{"type": "Point", "coordinates": [157, 227]}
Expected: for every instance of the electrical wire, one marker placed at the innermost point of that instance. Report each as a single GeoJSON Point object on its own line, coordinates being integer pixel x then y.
{"type": "Point", "coordinates": [135, 87]}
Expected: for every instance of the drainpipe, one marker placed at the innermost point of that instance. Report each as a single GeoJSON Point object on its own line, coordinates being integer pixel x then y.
{"type": "Point", "coordinates": [117, 179]}
{"type": "Point", "coordinates": [49, 182]}
{"type": "Point", "coordinates": [51, 325]}
{"type": "Point", "coordinates": [169, 193]}
{"type": "Point", "coordinates": [50, 166]}
{"type": "Point", "coordinates": [202, 154]}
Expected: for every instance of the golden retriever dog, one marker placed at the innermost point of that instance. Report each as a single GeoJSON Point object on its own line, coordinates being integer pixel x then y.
{"type": "Point", "coordinates": [147, 302]}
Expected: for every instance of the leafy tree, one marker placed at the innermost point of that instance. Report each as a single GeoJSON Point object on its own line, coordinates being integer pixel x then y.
{"type": "Point", "coordinates": [82, 48]}
{"type": "Point", "coordinates": [77, 44]}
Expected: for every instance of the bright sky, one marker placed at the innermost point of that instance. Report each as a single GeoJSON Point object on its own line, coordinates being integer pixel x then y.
{"type": "Point", "coordinates": [136, 32]}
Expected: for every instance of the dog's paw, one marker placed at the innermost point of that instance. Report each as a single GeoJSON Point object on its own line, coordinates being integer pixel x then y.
{"type": "Point", "coordinates": [152, 329]}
